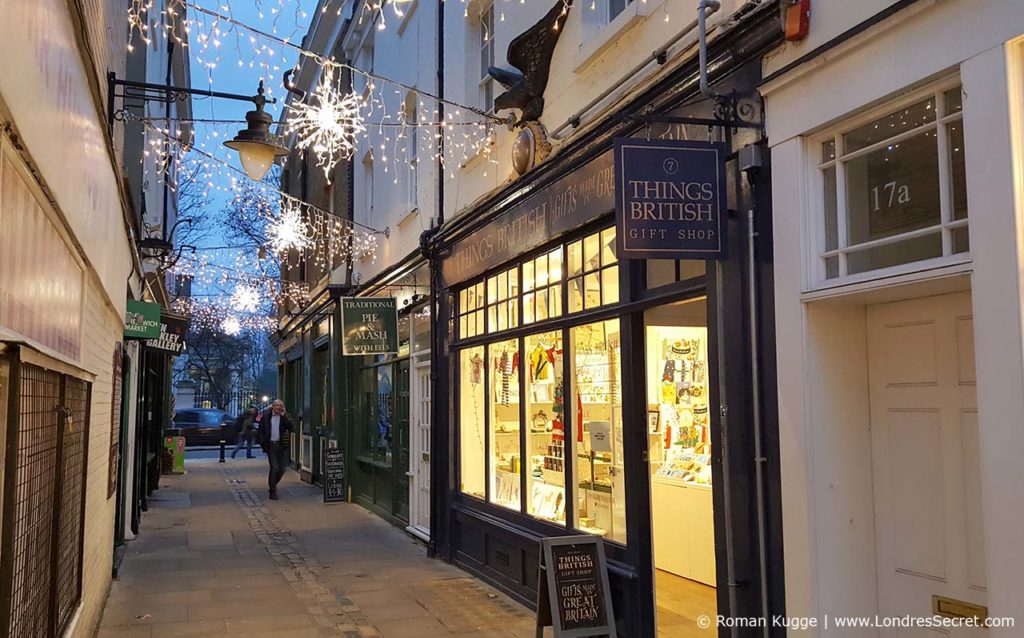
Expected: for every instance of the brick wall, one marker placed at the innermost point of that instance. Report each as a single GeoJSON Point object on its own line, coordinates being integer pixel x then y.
{"type": "Point", "coordinates": [102, 329]}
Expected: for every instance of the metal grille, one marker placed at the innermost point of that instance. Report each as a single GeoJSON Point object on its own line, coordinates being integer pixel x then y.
{"type": "Point", "coordinates": [34, 491]}
{"type": "Point", "coordinates": [70, 508]}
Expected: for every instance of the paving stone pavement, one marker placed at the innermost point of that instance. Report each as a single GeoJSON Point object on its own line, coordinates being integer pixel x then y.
{"type": "Point", "coordinates": [216, 559]}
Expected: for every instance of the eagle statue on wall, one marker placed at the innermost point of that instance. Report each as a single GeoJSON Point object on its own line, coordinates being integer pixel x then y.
{"type": "Point", "coordinates": [530, 52]}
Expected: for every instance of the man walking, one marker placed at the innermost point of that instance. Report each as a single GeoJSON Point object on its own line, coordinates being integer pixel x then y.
{"type": "Point", "coordinates": [245, 424]}
{"type": "Point", "coordinates": [275, 426]}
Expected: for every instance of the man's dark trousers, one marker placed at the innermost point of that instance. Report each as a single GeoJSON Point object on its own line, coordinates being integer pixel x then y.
{"type": "Point", "coordinates": [277, 455]}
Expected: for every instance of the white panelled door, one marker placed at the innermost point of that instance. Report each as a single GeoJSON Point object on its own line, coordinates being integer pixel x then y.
{"type": "Point", "coordinates": [420, 454]}
{"type": "Point", "coordinates": [925, 463]}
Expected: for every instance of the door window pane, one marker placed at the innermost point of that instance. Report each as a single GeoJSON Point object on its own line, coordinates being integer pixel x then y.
{"type": "Point", "coordinates": [471, 421]}
{"type": "Point", "coordinates": [597, 418]}
{"type": "Point", "coordinates": [506, 457]}
{"type": "Point", "coordinates": [545, 415]}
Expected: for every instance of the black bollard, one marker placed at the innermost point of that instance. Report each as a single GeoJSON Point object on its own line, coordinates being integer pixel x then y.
{"type": "Point", "coordinates": [221, 451]}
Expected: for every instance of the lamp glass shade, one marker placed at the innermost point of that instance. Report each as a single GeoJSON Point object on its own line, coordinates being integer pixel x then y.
{"type": "Point", "coordinates": [256, 157]}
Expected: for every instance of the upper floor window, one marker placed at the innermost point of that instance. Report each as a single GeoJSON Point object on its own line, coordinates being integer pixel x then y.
{"type": "Point", "coordinates": [893, 186]}
{"type": "Point", "coordinates": [485, 41]}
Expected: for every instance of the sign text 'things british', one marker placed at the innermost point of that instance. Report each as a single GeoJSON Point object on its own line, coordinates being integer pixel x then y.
{"type": "Point", "coordinates": [670, 199]}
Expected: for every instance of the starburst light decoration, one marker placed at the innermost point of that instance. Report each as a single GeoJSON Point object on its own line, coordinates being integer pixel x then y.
{"type": "Point", "coordinates": [231, 326]}
{"type": "Point", "coordinates": [245, 298]}
{"type": "Point", "coordinates": [289, 231]}
{"type": "Point", "coordinates": [330, 124]}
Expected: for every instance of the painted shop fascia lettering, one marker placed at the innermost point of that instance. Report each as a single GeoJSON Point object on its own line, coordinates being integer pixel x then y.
{"type": "Point", "coordinates": [568, 203]}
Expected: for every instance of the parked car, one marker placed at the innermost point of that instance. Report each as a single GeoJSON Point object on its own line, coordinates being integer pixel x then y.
{"type": "Point", "coordinates": [205, 426]}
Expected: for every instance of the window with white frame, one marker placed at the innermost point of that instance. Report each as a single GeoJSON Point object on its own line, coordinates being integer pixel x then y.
{"type": "Point", "coordinates": [893, 186]}
{"type": "Point", "coordinates": [485, 41]}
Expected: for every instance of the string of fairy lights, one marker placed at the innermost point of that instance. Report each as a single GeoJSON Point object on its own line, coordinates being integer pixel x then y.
{"type": "Point", "coordinates": [350, 111]}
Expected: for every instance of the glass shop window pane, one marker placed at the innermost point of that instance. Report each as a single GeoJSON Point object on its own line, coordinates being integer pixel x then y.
{"type": "Point", "coordinates": [592, 287]}
{"type": "Point", "coordinates": [596, 427]}
{"type": "Point", "coordinates": [462, 300]}
{"type": "Point", "coordinates": [513, 283]}
{"type": "Point", "coordinates": [608, 254]}
{"type": "Point", "coordinates": [901, 252]}
{"type": "Point", "coordinates": [692, 268]}
{"type": "Point", "coordinates": [575, 295]}
{"type": "Point", "coordinates": [528, 278]}
{"type": "Point", "coordinates": [958, 168]}
{"type": "Point", "coordinates": [529, 315]}
{"type": "Point", "coordinates": [592, 253]}
{"type": "Point", "coordinates": [542, 304]}
{"type": "Point", "coordinates": [545, 420]}
{"type": "Point", "coordinates": [554, 302]}
{"type": "Point", "coordinates": [492, 318]}
{"type": "Point", "coordinates": [471, 421]}
{"type": "Point", "coordinates": [506, 456]}
{"type": "Point", "coordinates": [900, 121]}
{"type": "Point", "coordinates": [610, 285]}
{"type": "Point", "coordinates": [492, 290]}
{"type": "Point", "coordinates": [540, 271]}
{"type": "Point", "coordinates": [660, 272]}
{"type": "Point", "coordinates": [575, 258]}
{"type": "Point", "coordinates": [893, 190]}
{"type": "Point", "coordinates": [555, 265]}
{"type": "Point", "coordinates": [502, 286]}
{"type": "Point", "coordinates": [954, 100]}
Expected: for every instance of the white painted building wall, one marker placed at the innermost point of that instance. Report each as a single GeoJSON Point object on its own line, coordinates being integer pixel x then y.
{"type": "Point", "coordinates": [825, 427]}
{"type": "Point", "coordinates": [391, 189]}
{"type": "Point", "coordinates": [588, 59]}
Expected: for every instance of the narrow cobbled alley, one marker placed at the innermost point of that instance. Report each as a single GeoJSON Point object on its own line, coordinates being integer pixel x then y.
{"type": "Point", "coordinates": [217, 558]}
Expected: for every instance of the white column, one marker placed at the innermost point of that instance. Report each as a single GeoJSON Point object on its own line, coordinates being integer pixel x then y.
{"type": "Point", "coordinates": [994, 125]}
{"type": "Point", "coordinates": [790, 335]}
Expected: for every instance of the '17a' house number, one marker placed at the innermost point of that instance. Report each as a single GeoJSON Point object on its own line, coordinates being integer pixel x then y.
{"type": "Point", "coordinates": [889, 195]}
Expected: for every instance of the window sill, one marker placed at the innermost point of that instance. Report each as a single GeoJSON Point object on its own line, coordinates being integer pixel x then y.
{"type": "Point", "coordinates": [597, 41]}
{"type": "Point", "coordinates": [937, 268]}
{"type": "Point", "coordinates": [413, 213]}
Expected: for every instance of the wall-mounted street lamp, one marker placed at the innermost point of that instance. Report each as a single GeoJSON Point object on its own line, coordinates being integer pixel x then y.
{"type": "Point", "coordinates": [256, 145]}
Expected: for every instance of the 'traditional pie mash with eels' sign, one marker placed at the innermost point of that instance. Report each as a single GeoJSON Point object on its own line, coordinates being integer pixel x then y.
{"type": "Point", "coordinates": [670, 199]}
{"type": "Point", "coordinates": [369, 325]}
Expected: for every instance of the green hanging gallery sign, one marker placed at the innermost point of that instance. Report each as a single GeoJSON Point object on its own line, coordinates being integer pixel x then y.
{"type": "Point", "coordinates": [142, 320]}
{"type": "Point", "coordinates": [369, 325]}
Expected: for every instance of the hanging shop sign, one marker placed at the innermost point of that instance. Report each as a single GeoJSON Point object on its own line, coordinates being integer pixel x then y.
{"type": "Point", "coordinates": [566, 204]}
{"type": "Point", "coordinates": [334, 475]}
{"type": "Point", "coordinates": [670, 199]}
{"type": "Point", "coordinates": [369, 325]}
{"type": "Point", "coordinates": [574, 597]}
{"type": "Point", "coordinates": [171, 338]}
{"type": "Point", "coordinates": [142, 320]}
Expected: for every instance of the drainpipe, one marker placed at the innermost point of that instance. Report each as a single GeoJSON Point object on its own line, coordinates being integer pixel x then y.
{"type": "Point", "coordinates": [755, 379]}
{"type": "Point", "coordinates": [702, 30]}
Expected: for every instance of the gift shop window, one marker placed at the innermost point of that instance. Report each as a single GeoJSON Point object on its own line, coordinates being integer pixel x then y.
{"type": "Point", "coordinates": [893, 187]}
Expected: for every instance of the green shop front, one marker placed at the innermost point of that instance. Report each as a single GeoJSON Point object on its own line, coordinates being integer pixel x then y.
{"type": "Point", "coordinates": [386, 353]}
{"type": "Point", "coordinates": [629, 398]}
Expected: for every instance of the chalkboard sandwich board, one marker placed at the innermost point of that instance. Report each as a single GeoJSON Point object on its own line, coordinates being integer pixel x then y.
{"type": "Point", "coordinates": [574, 597]}
{"type": "Point", "coordinates": [334, 475]}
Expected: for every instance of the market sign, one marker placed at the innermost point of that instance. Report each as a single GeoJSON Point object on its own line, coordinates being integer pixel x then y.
{"type": "Point", "coordinates": [171, 338]}
{"type": "Point", "coordinates": [574, 598]}
{"type": "Point", "coordinates": [142, 320]}
{"type": "Point", "coordinates": [670, 199]}
{"type": "Point", "coordinates": [369, 325]}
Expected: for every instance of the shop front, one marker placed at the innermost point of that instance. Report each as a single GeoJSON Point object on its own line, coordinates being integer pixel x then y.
{"type": "Point", "coordinates": [594, 394]}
